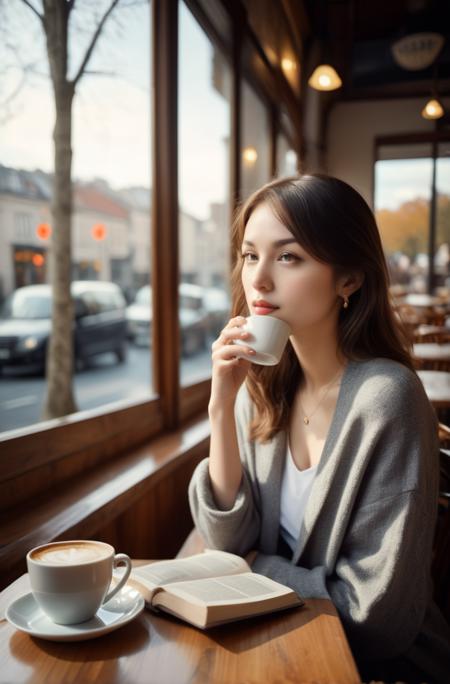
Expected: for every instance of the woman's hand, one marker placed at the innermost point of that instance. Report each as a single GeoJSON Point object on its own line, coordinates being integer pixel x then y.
{"type": "Point", "coordinates": [229, 371]}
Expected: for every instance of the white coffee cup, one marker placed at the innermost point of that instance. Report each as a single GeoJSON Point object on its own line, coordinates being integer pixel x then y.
{"type": "Point", "coordinates": [268, 338]}
{"type": "Point", "coordinates": [70, 580]}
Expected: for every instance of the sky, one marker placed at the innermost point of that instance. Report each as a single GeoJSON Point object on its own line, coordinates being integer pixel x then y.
{"type": "Point", "coordinates": [401, 180]}
{"type": "Point", "coordinates": [111, 116]}
{"type": "Point", "coordinates": [111, 141]}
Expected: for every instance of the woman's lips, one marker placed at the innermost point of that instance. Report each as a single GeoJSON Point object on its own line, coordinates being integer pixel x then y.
{"type": "Point", "coordinates": [263, 308]}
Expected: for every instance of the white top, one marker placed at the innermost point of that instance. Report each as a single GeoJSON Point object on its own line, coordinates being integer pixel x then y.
{"type": "Point", "coordinates": [296, 487]}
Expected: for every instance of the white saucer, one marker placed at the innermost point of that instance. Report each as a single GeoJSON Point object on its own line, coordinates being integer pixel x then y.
{"type": "Point", "coordinates": [25, 614]}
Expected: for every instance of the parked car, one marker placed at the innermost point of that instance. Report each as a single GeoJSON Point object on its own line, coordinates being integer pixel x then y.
{"type": "Point", "coordinates": [139, 317]}
{"type": "Point", "coordinates": [193, 319]}
{"type": "Point", "coordinates": [218, 306]}
{"type": "Point", "coordinates": [99, 323]}
{"type": "Point", "coordinates": [192, 314]}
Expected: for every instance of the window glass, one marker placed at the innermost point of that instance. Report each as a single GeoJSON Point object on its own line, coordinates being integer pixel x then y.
{"type": "Point", "coordinates": [111, 187]}
{"type": "Point", "coordinates": [442, 253]}
{"type": "Point", "coordinates": [255, 153]}
{"type": "Point", "coordinates": [286, 157]}
{"type": "Point", "coordinates": [402, 206]}
{"type": "Point", "coordinates": [204, 195]}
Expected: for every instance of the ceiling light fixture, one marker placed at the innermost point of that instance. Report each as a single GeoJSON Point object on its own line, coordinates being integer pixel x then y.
{"type": "Point", "coordinates": [433, 109]}
{"type": "Point", "coordinates": [325, 77]}
{"type": "Point", "coordinates": [417, 51]}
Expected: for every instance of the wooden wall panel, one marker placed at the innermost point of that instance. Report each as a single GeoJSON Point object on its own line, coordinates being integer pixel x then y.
{"type": "Point", "coordinates": [141, 510]}
{"type": "Point", "coordinates": [157, 525]}
{"type": "Point", "coordinates": [36, 462]}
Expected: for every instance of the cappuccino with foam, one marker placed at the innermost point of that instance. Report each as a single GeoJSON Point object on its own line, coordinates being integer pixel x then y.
{"type": "Point", "coordinates": [70, 553]}
{"type": "Point", "coordinates": [70, 580]}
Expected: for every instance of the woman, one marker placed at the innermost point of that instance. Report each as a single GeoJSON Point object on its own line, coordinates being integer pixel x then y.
{"type": "Point", "coordinates": [327, 464]}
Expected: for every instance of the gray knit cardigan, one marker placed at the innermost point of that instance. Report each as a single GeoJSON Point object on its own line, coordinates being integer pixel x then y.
{"type": "Point", "coordinates": [366, 538]}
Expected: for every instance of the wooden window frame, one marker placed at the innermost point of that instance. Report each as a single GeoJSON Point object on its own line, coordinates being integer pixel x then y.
{"type": "Point", "coordinates": [34, 458]}
{"type": "Point", "coordinates": [432, 138]}
{"type": "Point", "coordinates": [64, 447]}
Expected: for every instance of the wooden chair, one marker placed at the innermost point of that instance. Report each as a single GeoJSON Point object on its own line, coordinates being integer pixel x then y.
{"type": "Point", "coordinates": [436, 316]}
{"type": "Point", "coordinates": [441, 548]}
{"type": "Point", "coordinates": [433, 364]}
{"type": "Point", "coordinates": [409, 317]}
{"type": "Point", "coordinates": [444, 436]}
{"type": "Point", "coordinates": [444, 487]}
{"type": "Point", "coordinates": [439, 334]}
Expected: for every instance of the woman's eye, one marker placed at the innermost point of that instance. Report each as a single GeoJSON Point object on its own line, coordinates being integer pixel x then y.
{"type": "Point", "coordinates": [249, 256]}
{"type": "Point", "coordinates": [288, 257]}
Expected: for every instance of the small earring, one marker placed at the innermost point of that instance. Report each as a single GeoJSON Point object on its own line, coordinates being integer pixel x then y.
{"type": "Point", "coordinates": [345, 304]}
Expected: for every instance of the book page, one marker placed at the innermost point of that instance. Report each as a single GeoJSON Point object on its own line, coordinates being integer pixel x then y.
{"type": "Point", "coordinates": [246, 587]}
{"type": "Point", "coordinates": [210, 563]}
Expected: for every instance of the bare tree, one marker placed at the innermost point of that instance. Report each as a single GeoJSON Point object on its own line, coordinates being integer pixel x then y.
{"type": "Point", "coordinates": [54, 18]}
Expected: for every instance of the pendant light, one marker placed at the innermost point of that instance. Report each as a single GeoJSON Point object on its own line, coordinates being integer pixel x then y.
{"type": "Point", "coordinates": [433, 108]}
{"type": "Point", "coordinates": [325, 76]}
{"type": "Point", "coordinates": [417, 51]}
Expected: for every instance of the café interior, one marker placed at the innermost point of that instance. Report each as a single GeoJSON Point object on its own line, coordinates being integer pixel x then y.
{"type": "Point", "coordinates": [354, 89]}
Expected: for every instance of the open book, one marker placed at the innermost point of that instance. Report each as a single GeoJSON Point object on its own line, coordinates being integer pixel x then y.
{"type": "Point", "coordinates": [210, 588]}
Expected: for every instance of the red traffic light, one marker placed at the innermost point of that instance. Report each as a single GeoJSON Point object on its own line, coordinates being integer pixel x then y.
{"type": "Point", "coordinates": [98, 232]}
{"type": "Point", "coordinates": [44, 231]}
{"type": "Point", "coordinates": [38, 260]}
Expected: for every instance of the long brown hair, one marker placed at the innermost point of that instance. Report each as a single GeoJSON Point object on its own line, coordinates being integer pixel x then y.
{"type": "Point", "coordinates": [334, 224]}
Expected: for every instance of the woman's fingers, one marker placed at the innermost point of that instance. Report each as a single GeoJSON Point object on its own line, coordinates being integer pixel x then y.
{"type": "Point", "coordinates": [232, 331]}
{"type": "Point", "coordinates": [231, 360]}
{"type": "Point", "coordinates": [236, 320]}
{"type": "Point", "coordinates": [227, 349]}
{"type": "Point", "coordinates": [227, 336]}
{"type": "Point", "coordinates": [231, 351]}
{"type": "Point", "coordinates": [233, 327]}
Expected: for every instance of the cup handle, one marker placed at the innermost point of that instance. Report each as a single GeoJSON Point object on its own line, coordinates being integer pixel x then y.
{"type": "Point", "coordinates": [119, 558]}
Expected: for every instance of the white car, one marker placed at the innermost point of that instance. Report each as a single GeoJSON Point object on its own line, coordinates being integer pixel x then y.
{"type": "Point", "coordinates": [139, 317]}
{"type": "Point", "coordinates": [192, 314]}
{"type": "Point", "coordinates": [218, 307]}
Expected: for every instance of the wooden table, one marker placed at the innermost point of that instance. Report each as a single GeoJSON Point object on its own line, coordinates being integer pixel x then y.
{"type": "Point", "coordinates": [299, 645]}
{"type": "Point", "coordinates": [425, 333]}
{"type": "Point", "coordinates": [433, 356]}
{"type": "Point", "coordinates": [431, 351]}
{"type": "Point", "coordinates": [422, 300]}
{"type": "Point", "coordinates": [437, 387]}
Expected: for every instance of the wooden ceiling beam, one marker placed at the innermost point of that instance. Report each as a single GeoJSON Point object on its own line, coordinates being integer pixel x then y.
{"type": "Point", "coordinates": [298, 19]}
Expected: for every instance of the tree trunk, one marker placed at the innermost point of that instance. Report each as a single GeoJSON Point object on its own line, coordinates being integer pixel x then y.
{"type": "Point", "coordinates": [59, 400]}
{"type": "Point", "coordinates": [60, 354]}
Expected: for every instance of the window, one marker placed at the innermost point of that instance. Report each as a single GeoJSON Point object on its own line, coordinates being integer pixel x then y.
{"type": "Point", "coordinates": [255, 161]}
{"type": "Point", "coordinates": [402, 207]}
{"type": "Point", "coordinates": [286, 157]}
{"type": "Point", "coordinates": [204, 195]}
{"type": "Point", "coordinates": [111, 189]}
{"type": "Point", "coordinates": [442, 252]}
{"type": "Point", "coordinates": [23, 231]}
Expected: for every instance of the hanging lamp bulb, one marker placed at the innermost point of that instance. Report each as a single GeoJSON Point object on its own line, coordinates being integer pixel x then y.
{"type": "Point", "coordinates": [433, 109]}
{"type": "Point", "coordinates": [325, 77]}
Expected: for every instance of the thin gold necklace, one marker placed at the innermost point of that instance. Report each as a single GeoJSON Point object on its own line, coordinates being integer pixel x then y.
{"type": "Point", "coordinates": [307, 418]}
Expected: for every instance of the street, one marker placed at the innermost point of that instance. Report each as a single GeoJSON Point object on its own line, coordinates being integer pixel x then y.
{"type": "Point", "coordinates": [105, 381]}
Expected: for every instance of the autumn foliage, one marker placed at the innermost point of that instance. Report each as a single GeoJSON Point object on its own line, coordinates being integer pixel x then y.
{"type": "Point", "coordinates": [406, 229]}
